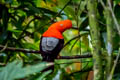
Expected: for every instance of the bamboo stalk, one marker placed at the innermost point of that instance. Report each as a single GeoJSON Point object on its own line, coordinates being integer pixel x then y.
{"type": "Point", "coordinates": [95, 36]}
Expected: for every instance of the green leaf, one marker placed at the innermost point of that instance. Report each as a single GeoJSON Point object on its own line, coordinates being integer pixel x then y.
{"type": "Point", "coordinates": [70, 12]}
{"type": "Point", "coordinates": [30, 45]}
{"type": "Point", "coordinates": [30, 9]}
{"type": "Point", "coordinates": [117, 1]}
{"type": "Point", "coordinates": [38, 3]}
{"type": "Point", "coordinates": [15, 70]}
{"type": "Point", "coordinates": [62, 3]}
{"type": "Point", "coordinates": [44, 74]}
{"type": "Point", "coordinates": [15, 30]}
{"type": "Point", "coordinates": [36, 36]}
{"type": "Point", "coordinates": [48, 11]}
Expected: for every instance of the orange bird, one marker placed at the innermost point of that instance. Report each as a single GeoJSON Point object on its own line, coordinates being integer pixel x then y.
{"type": "Point", "coordinates": [52, 40]}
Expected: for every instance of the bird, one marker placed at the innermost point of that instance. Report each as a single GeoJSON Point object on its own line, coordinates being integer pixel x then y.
{"type": "Point", "coordinates": [52, 41]}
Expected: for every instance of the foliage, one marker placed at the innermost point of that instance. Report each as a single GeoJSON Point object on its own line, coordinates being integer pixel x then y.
{"type": "Point", "coordinates": [15, 70]}
{"type": "Point", "coordinates": [22, 22]}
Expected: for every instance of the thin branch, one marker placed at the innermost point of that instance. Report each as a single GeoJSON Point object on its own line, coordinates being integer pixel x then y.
{"type": "Point", "coordinates": [113, 15]}
{"type": "Point", "coordinates": [102, 3]}
{"type": "Point", "coordinates": [78, 36]}
{"type": "Point", "coordinates": [74, 44]}
{"type": "Point", "coordinates": [114, 65]}
{"type": "Point", "coordinates": [73, 62]}
{"type": "Point", "coordinates": [75, 57]}
{"type": "Point", "coordinates": [1, 50]}
{"type": "Point", "coordinates": [19, 49]}
{"type": "Point", "coordinates": [75, 28]}
{"type": "Point", "coordinates": [52, 19]}
{"type": "Point", "coordinates": [88, 55]}
{"type": "Point", "coordinates": [63, 8]}
{"type": "Point", "coordinates": [114, 18]}
{"type": "Point", "coordinates": [71, 40]}
{"type": "Point", "coordinates": [24, 30]}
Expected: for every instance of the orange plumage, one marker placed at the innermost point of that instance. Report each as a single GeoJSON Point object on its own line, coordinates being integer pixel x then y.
{"type": "Point", "coordinates": [56, 29]}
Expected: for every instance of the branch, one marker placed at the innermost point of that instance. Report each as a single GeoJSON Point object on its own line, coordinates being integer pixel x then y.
{"type": "Point", "coordinates": [63, 8]}
{"type": "Point", "coordinates": [75, 57]}
{"type": "Point", "coordinates": [88, 55]}
{"type": "Point", "coordinates": [114, 65]}
{"type": "Point", "coordinates": [113, 15]}
{"type": "Point", "coordinates": [18, 49]}
{"type": "Point", "coordinates": [71, 40]}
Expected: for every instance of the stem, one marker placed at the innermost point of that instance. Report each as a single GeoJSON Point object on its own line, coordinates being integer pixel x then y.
{"type": "Point", "coordinates": [95, 36]}
{"type": "Point", "coordinates": [75, 57]}
{"type": "Point", "coordinates": [87, 55]}
{"type": "Point", "coordinates": [115, 63]}
{"type": "Point", "coordinates": [114, 18]}
{"type": "Point", "coordinates": [18, 49]}
{"type": "Point", "coordinates": [109, 22]}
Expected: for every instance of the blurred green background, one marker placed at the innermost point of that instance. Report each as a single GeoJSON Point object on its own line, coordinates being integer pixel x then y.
{"type": "Point", "coordinates": [22, 22]}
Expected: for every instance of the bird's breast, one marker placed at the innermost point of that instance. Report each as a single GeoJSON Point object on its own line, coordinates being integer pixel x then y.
{"type": "Point", "coordinates": [49, 43]}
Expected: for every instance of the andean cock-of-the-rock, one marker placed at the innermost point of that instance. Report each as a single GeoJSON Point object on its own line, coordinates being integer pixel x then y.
{"type": "Point", "coordinates": [52, 40]}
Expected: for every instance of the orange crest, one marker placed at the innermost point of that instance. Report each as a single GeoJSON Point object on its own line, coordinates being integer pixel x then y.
{"type": "Point", "coordinates": [56, 29]}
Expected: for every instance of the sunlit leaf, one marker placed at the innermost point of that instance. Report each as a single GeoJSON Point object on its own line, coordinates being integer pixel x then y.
{"type": "Point", "coordinates": [15, 70]}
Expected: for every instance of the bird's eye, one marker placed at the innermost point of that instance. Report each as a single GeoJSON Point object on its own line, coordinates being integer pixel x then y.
{"type": "Point", "coordinates": [61, 25]}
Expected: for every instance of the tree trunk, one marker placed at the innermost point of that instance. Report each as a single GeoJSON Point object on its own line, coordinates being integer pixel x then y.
{"type": "Point", "coordinates": [96, 43]}
{"type": "Point", "coordinates": [109, 46]}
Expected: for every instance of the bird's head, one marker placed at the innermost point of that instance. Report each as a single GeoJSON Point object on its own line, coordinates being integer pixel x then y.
{"type": "Point", "coordinates": [61, 26]}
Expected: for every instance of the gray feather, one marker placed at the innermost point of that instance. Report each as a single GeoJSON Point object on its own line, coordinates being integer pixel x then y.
{"type": "Point", "coordinates": [49, 43]}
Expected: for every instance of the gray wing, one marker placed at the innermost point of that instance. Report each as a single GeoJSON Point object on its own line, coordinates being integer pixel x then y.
{"type": "Point", "coordinates": [49, 43]}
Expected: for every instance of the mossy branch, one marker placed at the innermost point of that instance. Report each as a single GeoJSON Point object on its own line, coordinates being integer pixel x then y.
{"type": "Point", "coordinates": [109, 46]}
{"type": "Point", "coordinates": [87, 55]}
{"type": "Point", "coordinates": [95, 36]}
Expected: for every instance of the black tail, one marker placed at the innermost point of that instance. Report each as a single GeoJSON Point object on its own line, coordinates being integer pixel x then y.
{"type": "Point", "coordinates": [48, 59]}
